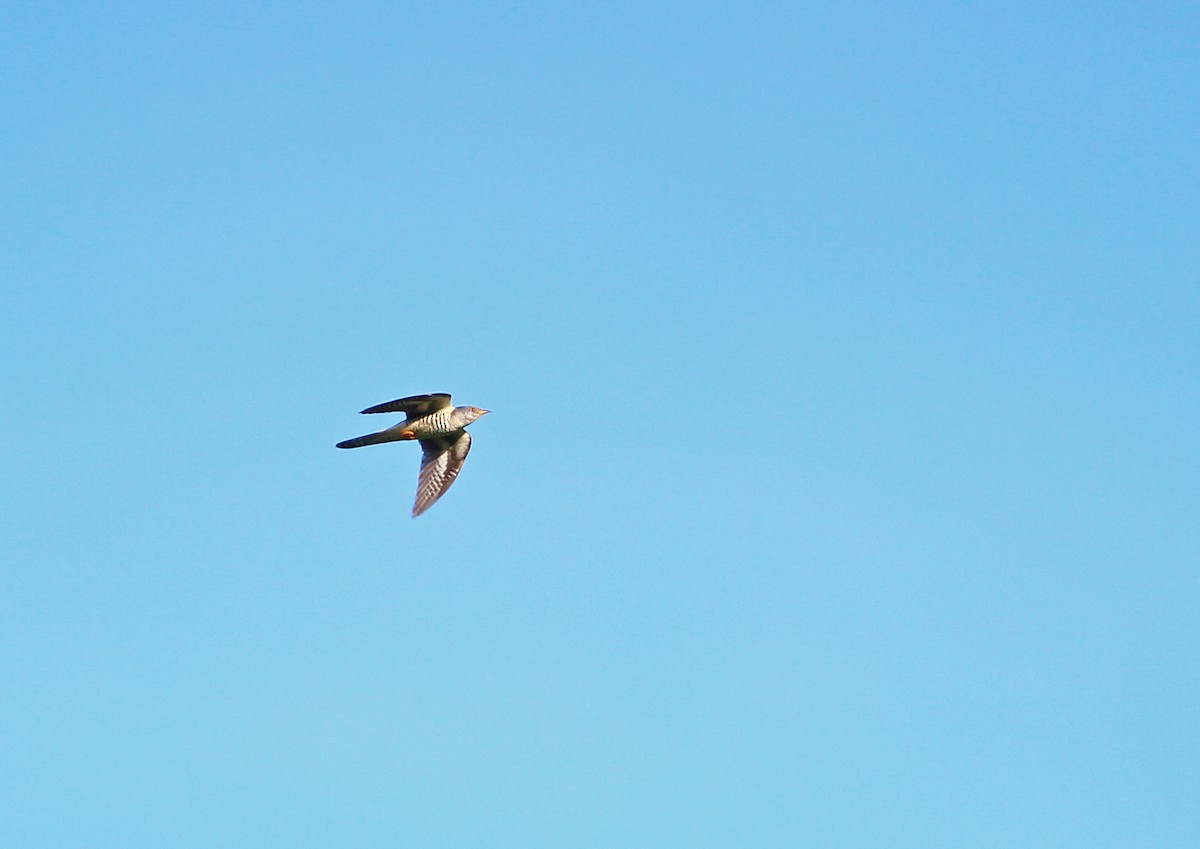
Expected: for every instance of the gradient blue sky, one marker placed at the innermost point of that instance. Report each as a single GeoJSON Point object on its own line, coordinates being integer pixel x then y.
{"type": "Point", "coordinates": [841, 488]}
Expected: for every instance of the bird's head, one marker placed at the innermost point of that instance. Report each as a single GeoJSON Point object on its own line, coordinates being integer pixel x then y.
{"type": "Point", "coordinates": [472, 413]}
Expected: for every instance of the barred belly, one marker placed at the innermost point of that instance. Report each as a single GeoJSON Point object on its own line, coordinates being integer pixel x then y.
{"type": "Point", "coordinates": [437, 422]}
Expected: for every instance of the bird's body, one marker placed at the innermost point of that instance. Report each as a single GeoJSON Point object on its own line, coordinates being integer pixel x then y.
{"type": "Point", "coordinates": [439, 427]}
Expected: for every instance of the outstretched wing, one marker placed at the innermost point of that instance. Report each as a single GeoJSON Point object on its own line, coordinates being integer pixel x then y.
{"type": "Point", "coordinates": [414, 406]}
{"type": "Point", "coordinates": [441, 459]}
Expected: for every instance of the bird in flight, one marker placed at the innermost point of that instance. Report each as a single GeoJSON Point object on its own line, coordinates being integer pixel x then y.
{"type": "Point", "coordinates": [440, 428]}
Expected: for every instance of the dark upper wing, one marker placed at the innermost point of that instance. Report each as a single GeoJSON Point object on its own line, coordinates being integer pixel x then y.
{"type": "Point", "coordinates": [441, 459]}
{"type": "Point", "coordinates": [413, 405]}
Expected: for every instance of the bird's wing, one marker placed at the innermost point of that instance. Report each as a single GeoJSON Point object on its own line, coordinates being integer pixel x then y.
{"type": "Point", "coordinates": [414, 406]}
{"type": "Point", "coordinates": [441, 459]}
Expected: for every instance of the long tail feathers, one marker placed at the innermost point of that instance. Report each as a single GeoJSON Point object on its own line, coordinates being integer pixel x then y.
{"type": "Point", "coordinates": [369, 439]}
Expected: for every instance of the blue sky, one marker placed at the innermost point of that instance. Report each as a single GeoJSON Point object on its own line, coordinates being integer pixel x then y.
{"type": "Point", "coordinates": [842, 480]}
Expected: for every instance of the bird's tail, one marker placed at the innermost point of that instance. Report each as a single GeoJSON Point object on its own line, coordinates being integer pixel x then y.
{"type": "Point", "coordinates": [369, 439]}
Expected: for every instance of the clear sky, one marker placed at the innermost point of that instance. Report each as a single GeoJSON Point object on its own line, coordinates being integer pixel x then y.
{"type": "Point", "coordinates": [841, 487]}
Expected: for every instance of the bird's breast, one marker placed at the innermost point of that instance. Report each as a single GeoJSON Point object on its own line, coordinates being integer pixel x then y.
{"type": "Point", "coordinates": [434, 424]}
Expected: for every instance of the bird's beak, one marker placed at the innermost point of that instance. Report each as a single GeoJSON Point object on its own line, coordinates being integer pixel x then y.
{"type": "Point", "coordinates": [483, 412]}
